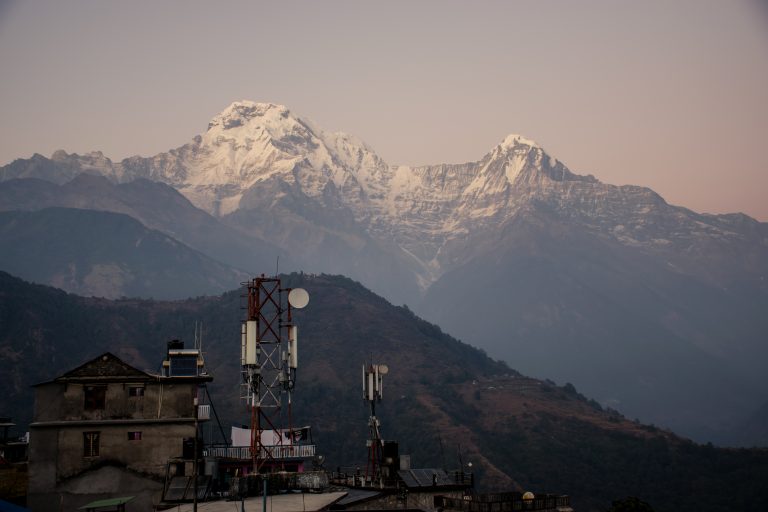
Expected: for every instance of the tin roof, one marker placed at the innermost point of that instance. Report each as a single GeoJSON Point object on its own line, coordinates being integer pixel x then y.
{"type": "Point", "coordinates": [427, 477]}
{"type": "Point", "coordinates": [105, 366]}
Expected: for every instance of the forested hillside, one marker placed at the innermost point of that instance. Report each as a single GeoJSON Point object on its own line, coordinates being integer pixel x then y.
{"type": "Point", "coordinates": [444, 401]}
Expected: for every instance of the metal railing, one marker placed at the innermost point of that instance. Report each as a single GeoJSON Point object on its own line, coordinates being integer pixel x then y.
{"type": "Point", "coordinates": [506, 502]}
{"type": "Point", "coordinates": [356, 477]}
{"type": "Point", "coordinates": [303, 451]}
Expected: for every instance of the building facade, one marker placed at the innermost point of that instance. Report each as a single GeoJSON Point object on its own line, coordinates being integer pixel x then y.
{"type": "Point", "coordinates": [106, 429]}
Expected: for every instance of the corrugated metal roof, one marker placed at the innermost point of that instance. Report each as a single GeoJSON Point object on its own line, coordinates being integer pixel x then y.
{"type": "Point", "coordinates": [357, 495]}
{"type": "Point", "coordinates": [180, 488]}
{"type": "Point", "coordinates": [427, 477]}
{"type": "Point", "coordinates": [177, 488]}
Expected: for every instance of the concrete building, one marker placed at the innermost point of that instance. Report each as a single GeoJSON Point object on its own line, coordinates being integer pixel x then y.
{"type": "Point", "coordinates": [106, 429]}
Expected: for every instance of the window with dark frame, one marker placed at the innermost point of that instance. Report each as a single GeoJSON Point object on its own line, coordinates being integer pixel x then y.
{"type": "Point", "coordinates": [183, 365]}
{"type": "Point", "coordinates": [91, 444]}
{"type": "Point", "coordinates": [135, 391]}
{"type": "Point", "coordinates": [134, 436]}
{"type": "Point", "coordinates": [95, 398]}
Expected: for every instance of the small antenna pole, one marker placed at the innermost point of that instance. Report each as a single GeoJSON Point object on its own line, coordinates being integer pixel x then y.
{"type": "Point", "coordinates": [373, 386]}
{"type": "Point", "coordinates": [199, 335]}
{"type": "Point", "coordinates": [442, 453]}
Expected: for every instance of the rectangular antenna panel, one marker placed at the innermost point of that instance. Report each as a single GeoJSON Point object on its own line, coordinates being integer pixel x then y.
{"type": "Point", "coordinates": [293, 347]}
{"type": "Point", "coordinates": [371, 389]}
{"type": "Point", "coordinates": [242, 345]}
{"type": "Point", "coordinates": [251, 354]}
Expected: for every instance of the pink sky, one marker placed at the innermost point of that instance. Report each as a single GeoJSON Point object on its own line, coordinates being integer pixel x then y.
{"type": "Point", "coordinates": [670, 95]}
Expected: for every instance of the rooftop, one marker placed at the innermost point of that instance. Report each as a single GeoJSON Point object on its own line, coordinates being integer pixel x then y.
{"type": "Point", "coordinates": [292, 502]}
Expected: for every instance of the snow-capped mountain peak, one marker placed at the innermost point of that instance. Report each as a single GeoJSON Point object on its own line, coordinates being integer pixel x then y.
{"type": "Point", "coordinates": [515, 139]}
{"type": "Point", "coordinates": [250, 143]}
{"type": "Point", "coordinates": [240, 113]}
{"type": "Point", "coordinates": [246, 124]}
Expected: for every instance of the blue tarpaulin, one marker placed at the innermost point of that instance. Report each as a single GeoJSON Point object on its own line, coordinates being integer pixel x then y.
{"type": "Point", "coordinates": [10, 507]}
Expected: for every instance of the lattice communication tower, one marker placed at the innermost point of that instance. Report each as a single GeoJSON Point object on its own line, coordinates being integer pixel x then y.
{"type": "Point", "coordinates": [269, 358]}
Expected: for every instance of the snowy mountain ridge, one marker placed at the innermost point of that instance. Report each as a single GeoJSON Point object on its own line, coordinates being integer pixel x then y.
{"type": "Point", "coordinates": [433, 213]}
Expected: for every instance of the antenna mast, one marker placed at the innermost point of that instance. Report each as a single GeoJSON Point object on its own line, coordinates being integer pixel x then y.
{"type": "Point", "coordinates": [373, 386]}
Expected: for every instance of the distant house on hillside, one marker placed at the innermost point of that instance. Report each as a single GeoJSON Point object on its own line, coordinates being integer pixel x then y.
{"type": "Point", "coordinates": [107, 429]}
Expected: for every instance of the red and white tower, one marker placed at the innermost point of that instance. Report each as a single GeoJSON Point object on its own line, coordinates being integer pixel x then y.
{"type": "Point", "coordinates": [269, 359]}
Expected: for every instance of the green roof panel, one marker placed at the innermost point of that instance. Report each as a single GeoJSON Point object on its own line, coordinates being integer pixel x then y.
{"type": "Point", "coordinates": [111, 502]}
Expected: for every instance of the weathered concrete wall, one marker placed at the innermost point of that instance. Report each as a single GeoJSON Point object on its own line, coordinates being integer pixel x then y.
{"type": "Point", "coordinates": [96, 485]}
{"type": "Point", "coordinates": [173, 400]}
{"type": "Point", "coordinates": [43, 450]}
{"type": "Point", "coordinates": [66, 402]}
{"type": "Point", "coordinates": [158, 443]}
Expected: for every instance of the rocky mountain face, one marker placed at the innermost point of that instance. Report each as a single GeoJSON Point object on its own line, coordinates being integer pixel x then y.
{"type": "Point", "coordinates": [444, 400]}
{"type": "Point", "coordinates": [638, 302]}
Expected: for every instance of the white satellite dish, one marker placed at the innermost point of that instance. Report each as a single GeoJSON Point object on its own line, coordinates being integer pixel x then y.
{"type": "Point", "coordinates": [383, 369]}
{"type": "Point", "coordinates": [298, 298]}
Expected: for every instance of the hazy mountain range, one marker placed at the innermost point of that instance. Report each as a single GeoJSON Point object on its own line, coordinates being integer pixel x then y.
{"type": "Point", "coordinates": [106, 254]}
{"type": "Point", "coordinates": [444, 401]}
{"type": "Point", "coordinates": [651, 308]}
